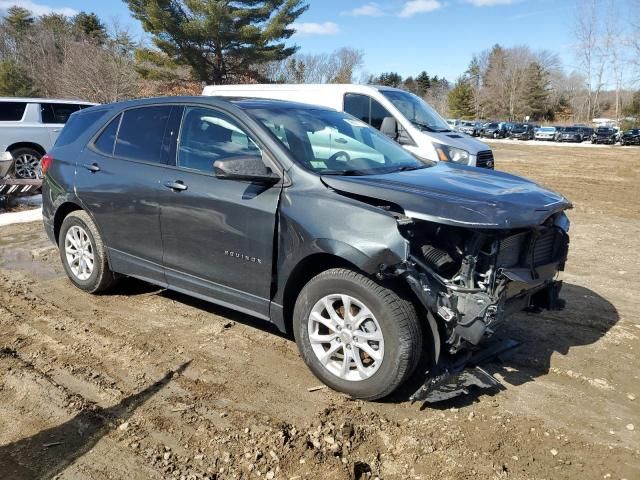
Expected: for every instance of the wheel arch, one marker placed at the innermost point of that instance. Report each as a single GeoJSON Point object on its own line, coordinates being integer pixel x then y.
{"type": "Point", "coordinates": [305, 270]}
{"type": "Point", "coordinates": [61, 213]}
{"type": "Point", "coordinates": [34, 146]}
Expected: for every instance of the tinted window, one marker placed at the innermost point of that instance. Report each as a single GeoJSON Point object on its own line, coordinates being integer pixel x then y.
{"type": "Point", "coordinates": [12, 111]}
{"type": "Point", "coordinates": [58, 112]}
{"type": "Point", "coordinates": [141, 133]}
{"type": "Point", "coordinates": [207, 135]}
{"type": "Point", "coordinates": [76, 125]}
{"type": "Point", "coordinates": [378, 112]}
{"type": "Point", "coordinates": [104, 143]}
{"type": "Point", "coordinates": [357, 105]}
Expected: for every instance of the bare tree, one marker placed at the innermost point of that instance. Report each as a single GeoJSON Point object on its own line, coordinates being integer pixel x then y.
{"type": "Point", "coordinates": [337, 67]}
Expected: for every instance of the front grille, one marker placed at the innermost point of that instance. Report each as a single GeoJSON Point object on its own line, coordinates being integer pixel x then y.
{"type": "Point", "coordinates": [533, 249]}
{"type": "Point", "coordinates": [485, 159]}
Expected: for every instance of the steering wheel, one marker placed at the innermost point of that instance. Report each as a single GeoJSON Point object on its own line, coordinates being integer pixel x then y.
{"type": "Point", "coordinates": [333, 163]}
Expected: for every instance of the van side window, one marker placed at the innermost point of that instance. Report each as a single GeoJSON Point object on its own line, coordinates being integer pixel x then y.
{"type": "Point", "coordinates": [105, 142]}
{"type": "Point", "coordinates": [12, 111]}
{"type": "Point", "coordinates": [208, 135]}
{"type": "Point", "coordinates": [378, 112]}
{"type": "Point", "coordinates": [357, 105]}
{"type": "Point", "coordinates": [141, 133]}
{"type": "Point", "coordinates": [58, 112]}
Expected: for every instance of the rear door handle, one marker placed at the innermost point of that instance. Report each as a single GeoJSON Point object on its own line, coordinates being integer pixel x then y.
{"type": "Point", "coordinates": [340, 140]}
{"type": "Point", "coordinates": [93, 167]}
{"type": "Point", "coordinates": [176, 186]}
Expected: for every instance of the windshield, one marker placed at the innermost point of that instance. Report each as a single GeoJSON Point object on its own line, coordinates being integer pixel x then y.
{"type": "Point", "coordinates": [417, 111]}
{"type": "Point", "coordinates": [335, 143]}
{"type": "Point", "coordinates": [547, 129]}
{"type": "Point", "coordinates": [605, 130]}
{"type": "Point", "coordinates": [571, 129]}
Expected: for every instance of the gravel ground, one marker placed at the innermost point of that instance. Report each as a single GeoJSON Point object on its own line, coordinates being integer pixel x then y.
{"type": "Point", "coordinates": [149, 384]}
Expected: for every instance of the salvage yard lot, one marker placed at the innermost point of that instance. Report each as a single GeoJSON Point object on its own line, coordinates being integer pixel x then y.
{"type": "Point", "coordinates": [86, 389]}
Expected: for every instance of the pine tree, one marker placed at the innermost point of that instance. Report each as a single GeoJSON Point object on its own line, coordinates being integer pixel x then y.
{"type": "Point", "coordinates": [423, 83]}
{"type": "Point", "coordinates": [537, 92]}
{"type": "Point", "coordinates": [220, 41]}
{"type": "Point", "coordinates": [388, 79]}
{"type": "Point", "coordinates": [89, 26]}
{"type": "Point", "coordinates": [461, 104]}
{"type": "Point", "coordinates": [19, 20]}
{"type": "Point", "coordinates": [14, 80]}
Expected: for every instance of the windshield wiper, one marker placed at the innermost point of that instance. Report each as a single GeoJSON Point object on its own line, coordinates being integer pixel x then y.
{"type": "Point", "coordinates": [429, 128]}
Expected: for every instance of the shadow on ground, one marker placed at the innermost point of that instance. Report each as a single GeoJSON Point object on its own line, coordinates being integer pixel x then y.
{"type": "Point", "coordinates": [586, 318]}
{"type": "Point", "coordinates": [47, 453]}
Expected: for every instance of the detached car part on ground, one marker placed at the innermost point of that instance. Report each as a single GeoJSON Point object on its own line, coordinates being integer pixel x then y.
{"type": "Point", "coordinates": [373, 259]}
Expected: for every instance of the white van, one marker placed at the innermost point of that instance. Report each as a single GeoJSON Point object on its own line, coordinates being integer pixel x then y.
{"type": "Point", "coordinates": [397, 113]}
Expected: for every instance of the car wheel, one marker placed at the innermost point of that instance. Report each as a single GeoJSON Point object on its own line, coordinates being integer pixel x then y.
{"type": "Point", "coordinates": [83, 254]}
{"type": "Point", "coordinates": [27, 163]}
{"type": "Point", "coordinates": [356, 335]}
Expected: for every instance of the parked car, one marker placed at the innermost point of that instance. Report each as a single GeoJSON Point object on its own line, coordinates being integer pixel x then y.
{"type": "Point", "coordinates": [604, 135]}
{"type": "Point", "coordinates": [30, 126]}
{"type": "Point", "coordinates": [546, 133]}
{"type": "Point", "coordinates": [570, 134]}
{"type": "Point", "coordinates": [470, 128]}
{"type": "Point", "coordinates": [371, 261]}
{"type": "Point", "coordinates": [402, 116]}
{"type": "Point", "coordinates": [493, 130]}
{"type": "Point", "coordinates": [522, 131]}
{"type": "Point", "coordinates": [631, 137]}
{"type": "Point", "coordinates": [587, 133]}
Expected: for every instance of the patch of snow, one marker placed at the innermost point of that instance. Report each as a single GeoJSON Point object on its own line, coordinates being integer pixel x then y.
{"type": "Point", "coordinates": [24, 216]}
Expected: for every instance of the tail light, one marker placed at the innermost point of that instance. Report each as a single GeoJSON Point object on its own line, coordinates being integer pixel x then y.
{"type": "Point", "coordinates": [45, 163]}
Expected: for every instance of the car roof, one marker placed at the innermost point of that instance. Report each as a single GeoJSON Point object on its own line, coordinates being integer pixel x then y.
{"type": "Point", "coordinates": [243, 103]}
{"type": "Point", "coordinates": [333, 87]}
{"type": "Point", "coordinates": [45, 100]}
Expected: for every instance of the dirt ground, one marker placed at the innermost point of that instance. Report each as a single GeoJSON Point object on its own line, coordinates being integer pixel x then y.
{"type": "Point", "coordinates": [149, 384]}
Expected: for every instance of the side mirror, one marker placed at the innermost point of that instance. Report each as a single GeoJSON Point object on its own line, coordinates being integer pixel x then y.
{"type": "Point", "coordinates": [247, 167]}
{"type": "Point", "coordinates": [389, 127]}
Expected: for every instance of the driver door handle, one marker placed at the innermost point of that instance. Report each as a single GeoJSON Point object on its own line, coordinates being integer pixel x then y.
{"type": "Point", "coordinates": [93, 167]}
{"type": "Point", "coordinates": [340, 140]}
{"type": "Point", "coordinates": [176, 186]}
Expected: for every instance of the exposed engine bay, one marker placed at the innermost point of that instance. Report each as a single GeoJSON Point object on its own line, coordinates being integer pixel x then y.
{"type": "Point", "coordinates": [472, 279]}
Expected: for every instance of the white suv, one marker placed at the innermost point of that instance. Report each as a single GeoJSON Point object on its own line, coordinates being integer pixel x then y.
{"type": "Point", "coordinates": [29, 128]}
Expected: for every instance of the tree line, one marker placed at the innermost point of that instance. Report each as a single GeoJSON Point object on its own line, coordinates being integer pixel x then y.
{"type": "Point", "coordinates": [196, 42]}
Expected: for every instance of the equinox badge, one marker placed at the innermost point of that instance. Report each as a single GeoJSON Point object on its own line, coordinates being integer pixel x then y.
{"type": "Point", "coordinates": [241, 256]}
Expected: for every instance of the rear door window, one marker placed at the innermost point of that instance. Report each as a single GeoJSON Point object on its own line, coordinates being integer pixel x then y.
{"type": "Point", "coordinates": [208, 135]}
{"type": "Point", "coordinates": [76, 126]}
{"type": "Point", "coordinates": [141, 133]}
{"type": "Point", "coordinates": [58, 113]}
{"type": "Point", "coordinates": [106, 140]}
{"type": "Point", "coordinates": [12, 111]}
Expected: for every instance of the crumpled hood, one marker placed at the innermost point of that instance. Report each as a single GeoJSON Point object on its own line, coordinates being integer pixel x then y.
{"type": "Point", "coordinates": [458, 195]}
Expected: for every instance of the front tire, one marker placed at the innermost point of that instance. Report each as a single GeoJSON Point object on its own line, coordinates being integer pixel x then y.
{"type": "Point", "coordinates": [83, 254]}
{"type": "Point", "coordinates": [356, 336]}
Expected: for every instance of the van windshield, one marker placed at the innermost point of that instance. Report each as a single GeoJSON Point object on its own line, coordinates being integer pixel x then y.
{"type": "Point", "coordinates": [417, 111]}
{"type": "Point", "coordinates": [334, 143]}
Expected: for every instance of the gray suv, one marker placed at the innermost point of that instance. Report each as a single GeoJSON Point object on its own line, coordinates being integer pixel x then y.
{"type": "Point", "coordinates": [372, 258]}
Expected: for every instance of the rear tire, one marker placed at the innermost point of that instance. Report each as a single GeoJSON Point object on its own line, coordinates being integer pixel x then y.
{"type": "Point", "coordinates": [83, 254]}
{"type": "Point", "coordinates": [391, 334]}
{"type": "Point", "coordinates": [27, 163]}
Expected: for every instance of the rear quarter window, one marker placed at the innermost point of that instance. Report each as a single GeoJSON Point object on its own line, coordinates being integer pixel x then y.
{"type": "Point", "coordinates": [76, 126]}
{"type": "Point", "coordinates": [141, 133]}
{"type": "Point", "coordinates": [107, 138]}
{"type": "Point", "coordinates": [12, 111]}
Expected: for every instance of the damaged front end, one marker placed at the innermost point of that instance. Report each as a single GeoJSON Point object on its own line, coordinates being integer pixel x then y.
{"type": "Point", "coordinates": [471, 280]}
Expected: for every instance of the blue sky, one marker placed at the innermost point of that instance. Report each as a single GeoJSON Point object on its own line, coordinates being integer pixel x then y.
{"type": "Point", "coordinates": [406, 36]}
